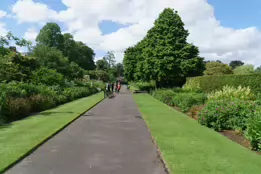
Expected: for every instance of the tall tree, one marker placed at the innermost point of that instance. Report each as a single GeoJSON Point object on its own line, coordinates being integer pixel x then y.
{"type": "Point", "coordinates": [216, 68]}
{"type": "Point", "coordinates": [244, 69]}
{"type": "Point", "coordinates": [165, 55]}
{"type": "Point", "coordinates": [235, 63]}
{"type": "Point", "coordinates": [102, 65]}
{"type": "Point", "coordinates": [110, 58]}
{"type": "Point", "coordinates": [78, 52]}
{"type": "Point", "coordinates": [51, 36]}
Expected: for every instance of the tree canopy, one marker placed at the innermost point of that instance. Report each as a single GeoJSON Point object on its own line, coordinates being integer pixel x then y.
{"type": "Point", "coordinates": [235, 63]}
{"type": "Point", "coordinates": [164, 54]}
{"type": "Point", "coordinates": [217, 68]}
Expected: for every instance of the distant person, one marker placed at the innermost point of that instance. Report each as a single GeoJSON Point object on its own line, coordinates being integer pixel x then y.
{"type": "Point", "coordinates": [119, 87]}
{"type": "Point", "coordinates": [112, 87]}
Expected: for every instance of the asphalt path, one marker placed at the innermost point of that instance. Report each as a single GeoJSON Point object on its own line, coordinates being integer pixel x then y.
{"type": "Point", "coordinates": [111, 138]}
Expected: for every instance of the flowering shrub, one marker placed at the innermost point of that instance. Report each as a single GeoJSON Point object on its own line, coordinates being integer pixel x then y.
{"type": "Point", "coordinates": [227, 114]}
{"type": "Point", "coordinates": [227, 92]}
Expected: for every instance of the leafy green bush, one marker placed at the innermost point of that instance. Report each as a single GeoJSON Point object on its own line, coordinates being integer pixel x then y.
{"type": "Point", "coordinates": [253, 131]}
{"type": "Point", "coordinates": [164, 95]}
{"type": "Point", "coordinates": [144, 86]}
{"type": "Point", "coordinates": [186, 100]}
{"type": "Point", "coordinates": [48, 77]}
{"type": "Point", "coordinates": [212, 83]}
{"type": "Point", "coordinates": [228, 92]}
{"type": "Point", "coordinates": [258, 99]}
{"type": "Point", "coordinates": [180, 98]}
{"type": "Point", "coordinates": [18, 100]}
{"type": "Point", "coordinates": [226, 114]}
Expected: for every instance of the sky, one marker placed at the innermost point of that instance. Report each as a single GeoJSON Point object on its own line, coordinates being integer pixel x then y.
{"type": "Point", "coordinates": [223, 30]}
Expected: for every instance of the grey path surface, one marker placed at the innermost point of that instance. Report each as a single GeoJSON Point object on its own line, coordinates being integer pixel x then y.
{"type": "Point", "coordinates": [109, 139]}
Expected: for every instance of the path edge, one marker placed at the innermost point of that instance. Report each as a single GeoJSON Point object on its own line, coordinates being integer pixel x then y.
{"type": "Point", "coordinates": [159, 154]}
{"type": "Point", "coordinates": [49, 137]}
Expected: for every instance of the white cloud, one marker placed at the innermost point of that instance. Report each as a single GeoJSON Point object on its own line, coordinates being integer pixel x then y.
{"type": "Point", "coordinates": [82, 19]}
{"type": "Point", "coordinates": [30, 34]}
{"type": "Point", "coordinates": [32, 12]}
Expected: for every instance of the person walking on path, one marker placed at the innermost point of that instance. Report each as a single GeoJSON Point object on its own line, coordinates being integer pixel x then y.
{"type": "Point", "coordinates": [119, 87]}
{"type": "Point", "coordinates": [112, 87]}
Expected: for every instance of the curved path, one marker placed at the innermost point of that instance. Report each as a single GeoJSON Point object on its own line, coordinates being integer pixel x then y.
{"type": "Point", "coordinates": [109, 139]}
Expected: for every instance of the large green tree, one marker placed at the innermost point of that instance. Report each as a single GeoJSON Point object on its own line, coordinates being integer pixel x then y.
{"type": "Point", "coordinates": [217, 68]}
{"type": "Point", "coordinates": [78, 52]}
{"type": "Point", "coordinates": [235, 63]}
{"type": "Point", "coordinates": [51, 36]}
{"type": "Point", "coordinates": [164, 54]}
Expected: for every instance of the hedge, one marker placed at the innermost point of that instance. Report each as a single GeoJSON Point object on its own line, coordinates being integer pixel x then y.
{"type": "Point", "coordinates": [211, 83]}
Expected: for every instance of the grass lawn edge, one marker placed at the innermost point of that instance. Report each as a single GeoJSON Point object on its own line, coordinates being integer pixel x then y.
{"type": "Point", "coordinates": [48, 137]}
{"type": "Point", "coordinates": [161, 157]}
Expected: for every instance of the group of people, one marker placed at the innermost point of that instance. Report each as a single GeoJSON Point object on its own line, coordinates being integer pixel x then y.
{"type": "Point", "coordinates": [111, 87]}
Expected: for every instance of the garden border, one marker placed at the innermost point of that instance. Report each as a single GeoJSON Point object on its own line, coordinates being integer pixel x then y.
{"type": "Point", "coordinates": [49, 137]}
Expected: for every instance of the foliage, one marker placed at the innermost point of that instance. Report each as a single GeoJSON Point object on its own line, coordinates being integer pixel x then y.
{"type": "Point", "coordinates": [144, 86]}
{"type": "Point", "coordinates": [227, 114]}
{"type": "Point", "coordinates": [235, 63]}
{"type": "Point", "coordinates": [16, 67]}
{"type": "Point", "coordinates": [18, 100]}
{"type": "Point", "coordinates": [78, 52]}
{"type": "Point", "coordinates": [48, 77]}
{"type": "Point", "coordinates": [244, 69]}
{"type": "Point", "coordinates": [5, 40]}
{"type": "Point", "coordinates": [179, 97]}
{"type": "Point", "coordinates": [164, 54]}
{"type": "Point", "coordinates": [102, 65]}
{"type": "Point", "coordinates": [258, 69]}
{"type": "Point", "coordinates": [212, 83]}
{"type": "Point", "coordinates": [253, 131]}
{"type": "Point", "coordinates": [217, 68]}
{"type": "Point", "coordinates": [52, 58]}
{"type": "Point", "coordinates": [51, 36]}
{"type": "Point", "coordinates": [228, 92]}
{"type": "Point", "coordinates": [186, 100]}
{"type": "Point", "coordinates": [110, 58]}
{"type": "Point", "coordinates": [99, 75]}
{"type": "Point", "coordinates": [164, 95]}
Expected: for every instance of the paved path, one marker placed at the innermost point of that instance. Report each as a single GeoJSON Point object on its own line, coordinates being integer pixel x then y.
{"type": "Point", "coordinates": [109, 139]}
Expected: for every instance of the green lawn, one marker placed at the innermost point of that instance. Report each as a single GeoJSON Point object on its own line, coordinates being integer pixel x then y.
{"type": "Point", "coordinates": [191, 148]}
{"type": "Point", "coordinates": [20, 137]}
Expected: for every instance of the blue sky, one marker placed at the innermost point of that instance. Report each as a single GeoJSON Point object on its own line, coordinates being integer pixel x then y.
{"type": "Point", "coordinates": [237, 13]}
{"type": "Point", "coordinates": [232, 14]}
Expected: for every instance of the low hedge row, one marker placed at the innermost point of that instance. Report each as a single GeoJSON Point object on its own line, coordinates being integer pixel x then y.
{"type": "Point", "coordinates": [18, 100]}
{"type": "Point", "coordinates": [144, 86]}
{"type": "Point", "coordinates": [211, 83]}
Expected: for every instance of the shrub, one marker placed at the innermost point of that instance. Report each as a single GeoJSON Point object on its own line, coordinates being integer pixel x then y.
{"type": "Point", "coordinates": [145, 86]}
{"type": "Point", "coordinates": [18, 100]}
{"type": "Point", "coordinates": [186, 100]}
{"type": "Point", "coordinates": [226, 114]}
{"type": "Point", "coordinates": [164, 95]}
{"type": "Point", "coordinates": [258, 99]}
{"type": "Point", "coordinates": [40, 102]}
{"type": "Point", "coordinates": [228, 92]}
{"type": "Point", "coordinates": [48, 77]}
{"type": "Point", "coordinates": [253, 131]}
{"type": "Point", "coordinates": [212, 83]}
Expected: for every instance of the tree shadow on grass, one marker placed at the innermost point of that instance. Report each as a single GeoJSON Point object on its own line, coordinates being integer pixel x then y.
{"type": "Point", "coordinates": [51, 113]}
{"type": "Point", "coordinates": [4, 126]}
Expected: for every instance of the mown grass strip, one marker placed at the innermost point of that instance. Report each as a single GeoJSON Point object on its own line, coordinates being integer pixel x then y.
{"type": "Point", "coordinates": [20, 138]}
{"type": "Point", "coordinates": [190, 148]}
